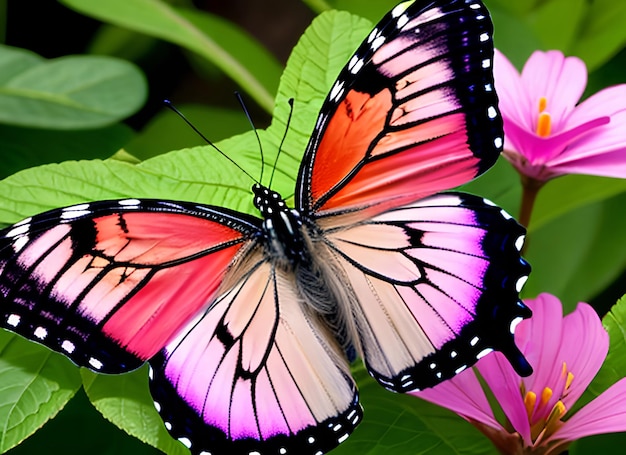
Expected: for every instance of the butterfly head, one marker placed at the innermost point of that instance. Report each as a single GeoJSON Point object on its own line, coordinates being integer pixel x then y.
{"type": "Point", "coordinates": [282, 226]}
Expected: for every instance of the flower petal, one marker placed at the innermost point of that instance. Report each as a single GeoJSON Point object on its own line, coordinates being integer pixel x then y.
{"type": "Point", "coordinates": [603, 150]}
{"type": "Point", "coordinates": [540, 339]}
{"type": "Point", "coordinates": [559, 79]}
{"type": "Point", "coordinates": [585, 346]}
{"type": "Point", "coordinates": [504, 383]}
{"type": "Point", "coordinates": [605, 414]}
{"type": "Point", "coordinates": [463, 395]}
{"type": "Point", "coordinates": [514, 102]}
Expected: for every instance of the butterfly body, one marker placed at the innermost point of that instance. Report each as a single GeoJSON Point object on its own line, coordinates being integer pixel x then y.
{"type": "Point", "coordinates": [248, 323]}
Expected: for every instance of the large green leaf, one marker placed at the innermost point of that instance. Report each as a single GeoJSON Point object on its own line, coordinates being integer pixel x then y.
{"type": "Point", "coordinates": [402, 424]}
{"type": "Point", "coordinates": [224, 44]}
{"type": "Point", "coordinates": [125, 400]}
{"type": "Point", "coordinates": [167, 131]}
{"type": "Point", "coordinates": [67, 93]}
{"type": "Point", "coordinates": [80, 429]}
{"type": "Point", "coordinates": [35, 384]}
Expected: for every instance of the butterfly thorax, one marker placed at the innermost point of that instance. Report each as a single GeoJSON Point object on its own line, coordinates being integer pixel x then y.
{"type": "Point", "coordinates": [282, 226]}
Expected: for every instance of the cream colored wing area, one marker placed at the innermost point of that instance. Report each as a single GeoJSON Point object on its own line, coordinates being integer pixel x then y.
{"type": "Point", "coordinates": [433, 286]}
{"type": "Point", "coordinates": [390, 338]}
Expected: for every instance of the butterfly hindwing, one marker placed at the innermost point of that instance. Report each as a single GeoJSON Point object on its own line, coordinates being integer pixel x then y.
{"type": "Point", "coordinates": [414, 112]}
{"type": "Point", "coordinates": [108, 283]}
{"type": "Point", "coordinates": [436, 286]}
{"type": "Point", "coordinates": [256, 374]}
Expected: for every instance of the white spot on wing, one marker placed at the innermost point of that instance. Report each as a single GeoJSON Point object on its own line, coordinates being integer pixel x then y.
{"type": "Point", "coordinates": [378, 42]}
{"type": "Point", "coordinates": [520, 283]}
{"type": "Point", "coordinates": [20, 243]}
{"type": "Point", "coordinates": [72, 214]}
{"type": "Point", "coordinates": [13, 320]}
{"type": "Point", "coordinates": [400, 9]}
{"type": "Point", "coordinates": [519, 243]}
{"type": "Point", "coordinates": [186, 442]}
{"type": "Point", "coordinates": [474, 341]}
{"type": "Point", "coordinates": [483, 353]}
{"type": "Point", "coordinates": [18, 230]}
{"type": "Point", "coordinates": [343, 438]}
{"type": "Point", "coordinates": [486, 63]}
{"type": "Point", "coordinates": [402, 21]}
{"type": "Point", "coordinates": [129, 202]}
{"type": "Point", "coordinates": [311, 440]}
{"type": "Point", "coordinates": [68, 346]}
{"type": "Point", "coordinates": [157, 406]}
{"type": "Point", "coordinates": [41, 333]}
{"type": "Point", "coordinates": [491, 112]}
{"type": "Point", "coordinates": [461, 368]}
{"type": "Point", "coordinates": [336, 91]}
{"type": "Point", "coordinates": [484, 37]}
{"type": "Point", "coordinates": [95, 363]}
{"type": "Point", "coordinates": [498, 142]}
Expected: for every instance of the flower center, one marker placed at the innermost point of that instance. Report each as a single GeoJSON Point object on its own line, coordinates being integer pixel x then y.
{"type": "Point", "coordinates": [545, 411]}
{"type": "Point", "coordinates": [544, 121]}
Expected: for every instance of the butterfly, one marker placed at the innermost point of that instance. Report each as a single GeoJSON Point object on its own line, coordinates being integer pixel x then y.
{"type": "Point", "coordinates": [249, 323]}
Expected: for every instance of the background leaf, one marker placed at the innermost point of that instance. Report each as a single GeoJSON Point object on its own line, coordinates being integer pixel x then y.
{"type": "Point", "coordinates": [222, 43]}
{"type": "Point", "coordinates": [403, 424]}
{"type": "Point", "coordinates": [35, 384]}
{"type": "Point", "coordinates": [125, 400]}
{"type": "Point", "coordinates": [68, 92]}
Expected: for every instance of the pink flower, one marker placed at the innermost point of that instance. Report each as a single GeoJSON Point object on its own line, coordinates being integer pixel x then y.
{"type": "Point", "coordinates": [566, 353]}
{"type": "Point", "coordinates": [547, 133]}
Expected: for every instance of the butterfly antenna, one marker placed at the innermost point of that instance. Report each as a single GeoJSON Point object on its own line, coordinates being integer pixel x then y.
{"type": "Point", "coordinates": [245, 111]}
{"type": "Point", "coordinates": [169, 104]}
{"type": "Point", "coordinates": [280, 147]}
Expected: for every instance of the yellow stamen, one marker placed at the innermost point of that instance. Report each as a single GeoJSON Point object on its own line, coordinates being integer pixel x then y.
{"type": "Point", "coordinates": [543, 103]}
{"type": "Point", "coordinates": [554, 419]}
{"type": "Point", "coordinates": [545, 396]}
{"type": "Point", "coordinates": [529, 401]}
{"type": "Point", "coordinates": [568, 381]}
{"type": "Point", "coordinates": [544, 124]}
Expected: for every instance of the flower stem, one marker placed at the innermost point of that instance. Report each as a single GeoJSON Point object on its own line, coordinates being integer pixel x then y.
{"type": "Point", "coordinates": [530, 189]}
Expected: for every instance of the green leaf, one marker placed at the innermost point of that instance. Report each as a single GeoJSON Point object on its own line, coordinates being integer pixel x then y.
{"type": "Point", "coordinates": [402, 424]}
{"type": "Point", "coordinates": [167, 131]}
{"type": "Point", "coordinates": [312, 68]}
{"type": "Point", "coordinates": [125, 400]}
{"type": "Point", "coordinates": [556, 22]}
{"type": "Point", "coordinates": [602, 32]}
{"type": "Point", "coordinates": [80, 429]}
{"type": "Point", "coordinates": [614, 367]}
{"type": "Point", "coordinates": [69, 92]}
{"type": "Point", "coordinates": [35, 384]}
{"type": "Point", "coordinates": [21, 148]}
{"type": "Point", "coordinates": [571, 192]}
{"type": "Point", "coordinates": [217, 40]}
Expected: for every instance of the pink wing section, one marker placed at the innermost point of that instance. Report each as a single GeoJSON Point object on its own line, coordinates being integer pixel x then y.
{"type": "Point", "coordinates": [112, 280]}
{"type": "Point", "coordinates": [413, 113]}
{"type": "Point", "coordinates": [435, 284]}
{"type": "Point", "coordinates": [257, 371]}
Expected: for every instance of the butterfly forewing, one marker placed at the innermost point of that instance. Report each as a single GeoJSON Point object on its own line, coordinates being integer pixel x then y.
{"type": "Point", "coordinates": [413, 112]}
{"type": "Point", "coordinates": [256, 373]}
{"type": "Point", "coordinates": [109, 283]}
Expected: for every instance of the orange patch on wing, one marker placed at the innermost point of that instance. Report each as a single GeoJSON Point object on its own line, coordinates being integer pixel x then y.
{"type": "Point", "coordinates": [359, 118]}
